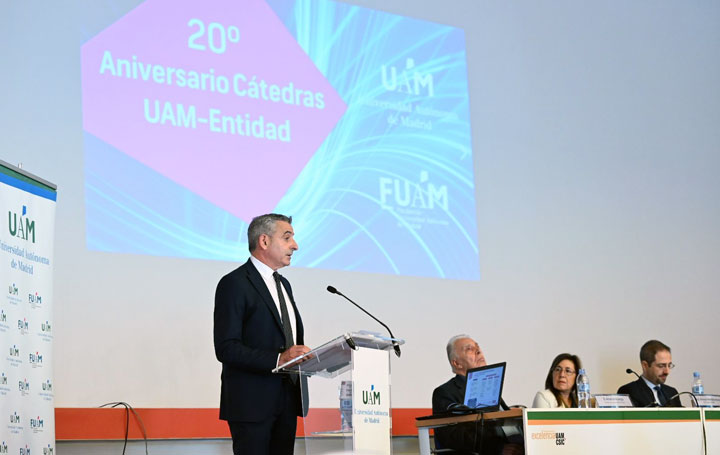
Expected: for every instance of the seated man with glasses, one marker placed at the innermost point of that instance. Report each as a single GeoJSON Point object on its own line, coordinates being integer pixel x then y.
{"type": "Point", "coordinates": [650, 389]}
{"type": "Point", "coordinates": [560, 389]}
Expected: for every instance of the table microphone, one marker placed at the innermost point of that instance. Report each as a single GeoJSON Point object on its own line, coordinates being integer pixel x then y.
{"type": "Point", "coordinates": [667, 405]}
{"type": "Point", "coordinates": [629, 371]}
{"type": "Point", "coordinates": [396, 346]}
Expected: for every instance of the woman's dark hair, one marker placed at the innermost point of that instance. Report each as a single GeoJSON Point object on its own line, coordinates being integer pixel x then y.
{"type": "Point", "coordinates": [549, 380]}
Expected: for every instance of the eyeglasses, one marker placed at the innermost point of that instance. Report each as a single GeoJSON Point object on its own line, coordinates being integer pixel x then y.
{"type": "Point", "coordinates": [662, 366]}
{"type": "Point", "coordinates": [568, 371]}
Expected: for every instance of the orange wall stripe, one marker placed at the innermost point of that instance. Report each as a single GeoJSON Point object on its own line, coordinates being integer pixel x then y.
{"type": "Point", "coordinates": [190, 423]}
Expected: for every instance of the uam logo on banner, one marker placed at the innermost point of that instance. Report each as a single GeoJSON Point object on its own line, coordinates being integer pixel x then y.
{"type": "Point", "coordinates": [45, 332]}
{"type": "Point", "coordinates": [4, 388]}
{"type": "Point", "coordinates": [49, 450]}
{"type": "Point", "coordinates": [47, 390]}
{"type": "Point", "coordinates": [14, 357]}
{"type": "Point", "coordinates": [14, 426]}
{"type": "Point", "coordinates": [3, 447]}
{"type": "Point", "coordinates": [13, 292]}
{"type": "Point", "coordinates": [21, 226]}
{"type": "Point", "coordinates": [3, 321]}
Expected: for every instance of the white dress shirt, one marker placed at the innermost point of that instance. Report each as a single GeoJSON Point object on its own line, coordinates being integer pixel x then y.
{"type": "Point", "coordinates": [267, 275]}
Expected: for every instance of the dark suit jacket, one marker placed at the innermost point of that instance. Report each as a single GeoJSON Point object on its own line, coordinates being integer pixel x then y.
{"type": "Point", "coordinates": [248, 337]}
{"type": "Point", "coordinates": [463, 438]}
{"type": "Point", "coordinates": [641, 395]}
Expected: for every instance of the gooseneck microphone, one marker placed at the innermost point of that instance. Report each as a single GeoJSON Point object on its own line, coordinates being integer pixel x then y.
{"type": "Point", "coordinates": [396, 346]}
{"type": "Point", "coordinates": [629, 371]}
{"type": "Point", "coordinates": [667, 405]}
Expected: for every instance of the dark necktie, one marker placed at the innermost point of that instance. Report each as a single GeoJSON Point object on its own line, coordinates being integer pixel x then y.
{"type": "Point", "coordinates": [287, 328]}
{"type": "Point", "coordinates": [661, 395]}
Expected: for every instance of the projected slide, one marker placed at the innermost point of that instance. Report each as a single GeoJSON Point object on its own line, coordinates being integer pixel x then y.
{"type": "Point", "coordinates": [198, 116]}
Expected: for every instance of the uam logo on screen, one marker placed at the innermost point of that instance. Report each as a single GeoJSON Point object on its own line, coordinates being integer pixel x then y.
{"type": "Point", "coordinates": [410, 80]}
{"type": "Point", "coordinates": [36, 359]}
{"type": "Point", "coordinates": [422, 194]}
{"type": "Point", "coordinates": [21, 226]}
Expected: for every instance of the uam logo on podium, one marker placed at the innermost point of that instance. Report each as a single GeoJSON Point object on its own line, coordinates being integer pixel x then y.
{"type": "Point", "coordinates": [371, 397]}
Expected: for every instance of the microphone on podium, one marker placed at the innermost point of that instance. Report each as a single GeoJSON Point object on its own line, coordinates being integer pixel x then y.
{"type": "Point", "coordinates": [396, 346]}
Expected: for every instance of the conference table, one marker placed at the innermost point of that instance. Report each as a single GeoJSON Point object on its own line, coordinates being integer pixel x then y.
{"type": "Point", "coordinates": [668, 431]}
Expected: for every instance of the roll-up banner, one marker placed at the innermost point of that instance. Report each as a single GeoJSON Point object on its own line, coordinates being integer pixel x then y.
{"type": "Point", "coordinates": [27, 208]}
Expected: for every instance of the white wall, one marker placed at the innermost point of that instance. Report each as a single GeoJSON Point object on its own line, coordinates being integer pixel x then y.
{"type": "Point", "coordinates": [596, 150]}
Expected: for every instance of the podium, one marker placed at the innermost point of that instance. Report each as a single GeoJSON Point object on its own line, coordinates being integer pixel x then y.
{"type": "Point", "coordinates": [350, 375]}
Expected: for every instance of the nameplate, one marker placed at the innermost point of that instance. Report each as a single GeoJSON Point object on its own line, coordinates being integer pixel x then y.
{"type": "Point", "coordinates": [708, 401]}
{"type": "Point", "coordinates": [616, 400]}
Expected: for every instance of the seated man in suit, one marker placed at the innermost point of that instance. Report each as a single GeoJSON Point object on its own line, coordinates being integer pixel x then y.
{"type": "Point", "coordinates": [464, 354]}
{"type": "Point", "coordinates": [650, 389]}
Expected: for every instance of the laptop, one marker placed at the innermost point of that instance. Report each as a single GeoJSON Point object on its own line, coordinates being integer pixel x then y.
{"type": "Point", "coordinates": [483, 390]}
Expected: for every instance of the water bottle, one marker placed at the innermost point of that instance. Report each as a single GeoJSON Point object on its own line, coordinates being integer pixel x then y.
{"type": "Point", "coordinates": [346, 405]}
{"type": "Point", "coordinates": [583, 389]}
{"type": "Point", "coordinates": [697, 387]}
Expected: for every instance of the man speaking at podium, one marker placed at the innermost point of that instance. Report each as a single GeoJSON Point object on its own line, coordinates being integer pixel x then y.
{"type": "Point", "coordinates": [257, 327]}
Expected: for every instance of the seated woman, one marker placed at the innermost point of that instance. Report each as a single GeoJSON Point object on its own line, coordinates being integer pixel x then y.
{"type": "Point", "coordinates": [560, 389]}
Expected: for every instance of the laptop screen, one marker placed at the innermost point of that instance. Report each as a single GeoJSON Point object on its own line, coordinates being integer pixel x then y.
{"type": "Point", "coordinates": [484, 386]}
